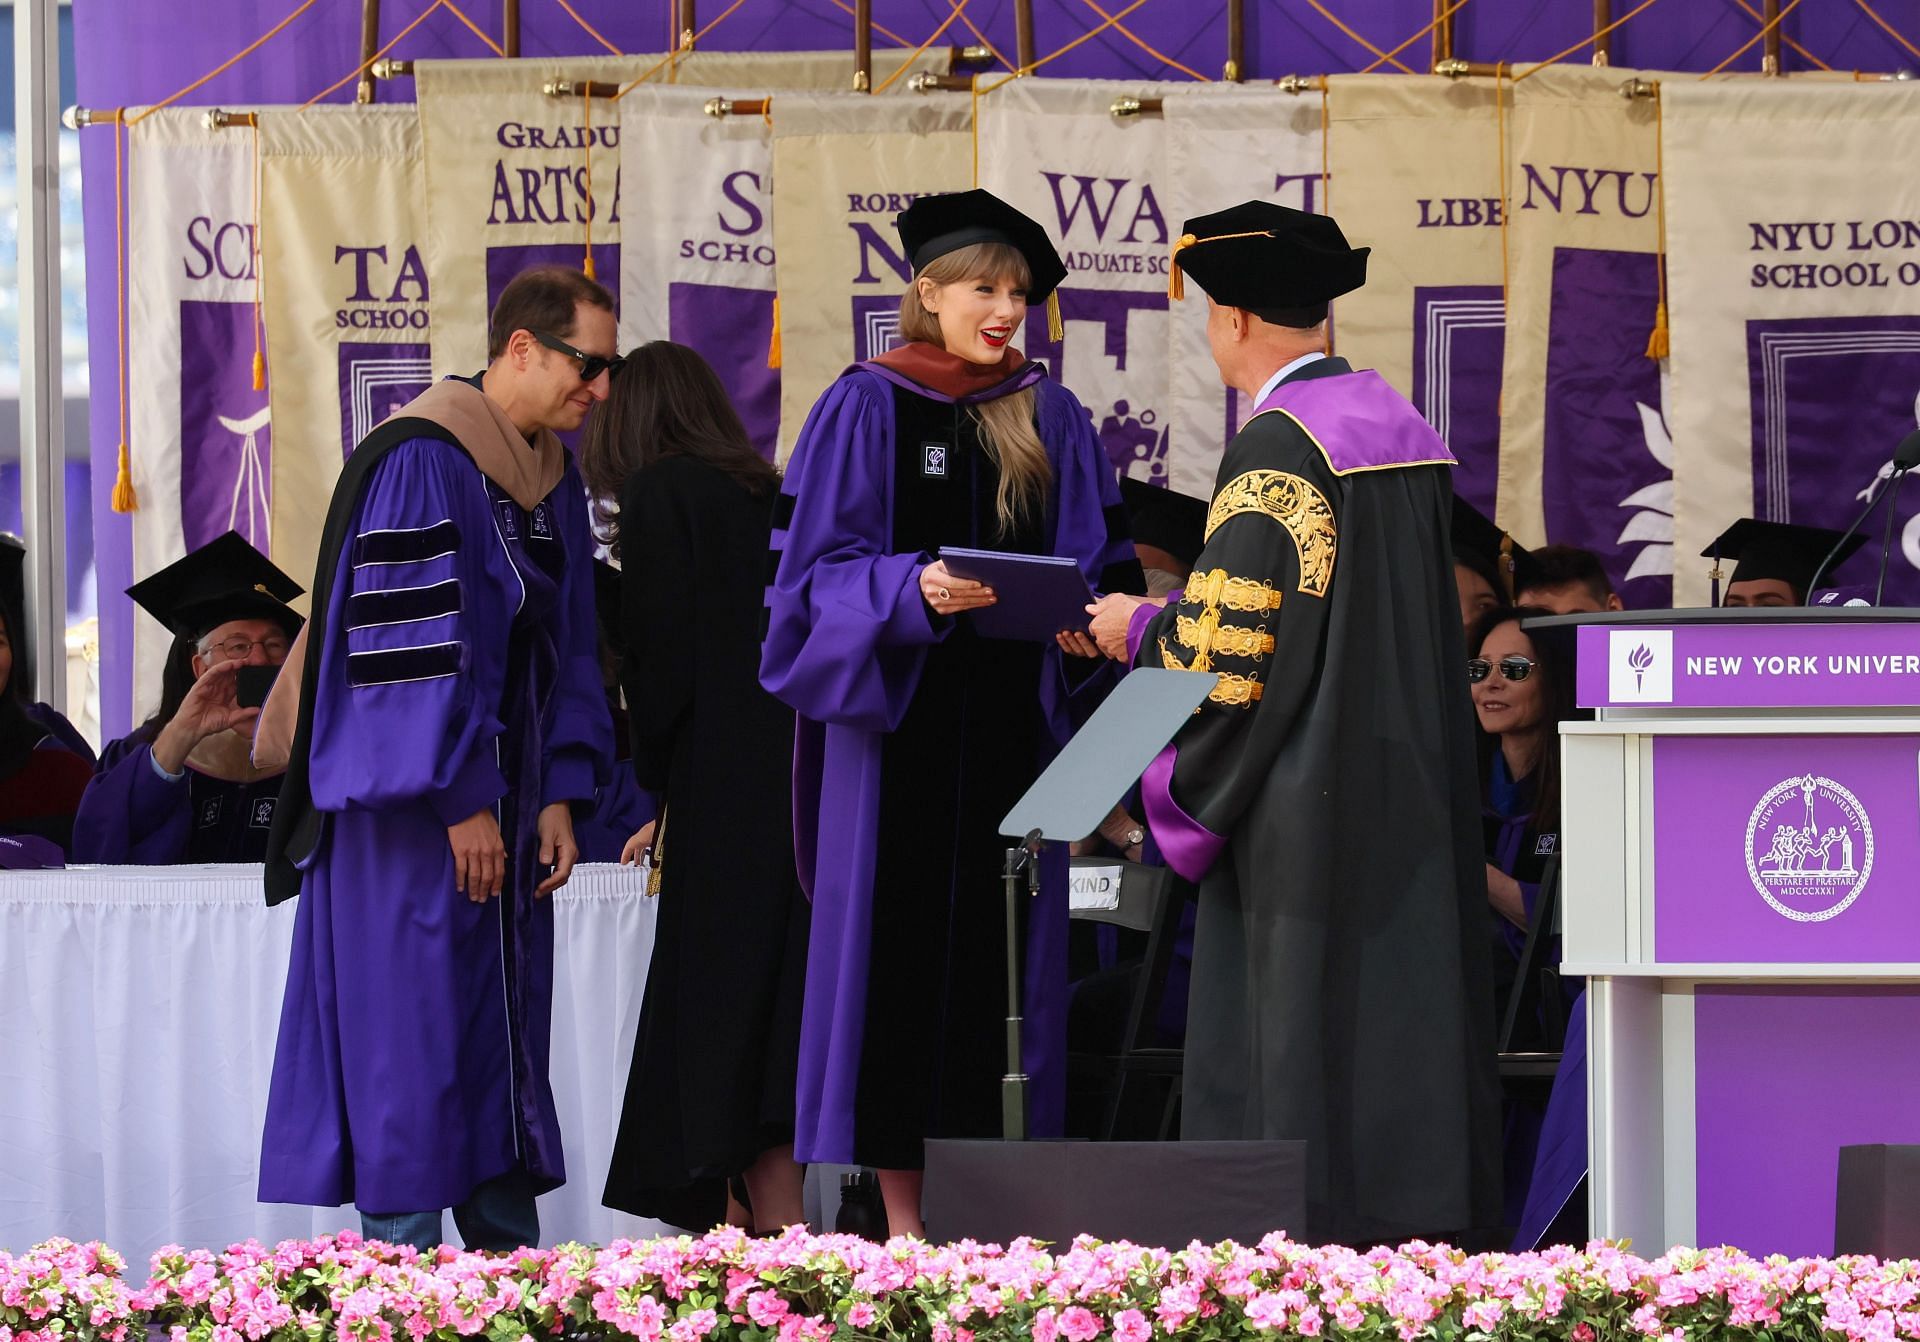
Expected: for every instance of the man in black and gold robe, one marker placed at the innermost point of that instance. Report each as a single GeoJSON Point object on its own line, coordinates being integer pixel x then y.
{"type": "Point", "coordinates": [1324, 795]}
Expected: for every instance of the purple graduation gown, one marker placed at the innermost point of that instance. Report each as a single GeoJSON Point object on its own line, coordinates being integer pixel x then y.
{"type": "Point", "coordinates": [459, 673]}
{"type": "Point", "coordinates": [849, 635]}
{"type": "Point", "coordinates": [130, 815]}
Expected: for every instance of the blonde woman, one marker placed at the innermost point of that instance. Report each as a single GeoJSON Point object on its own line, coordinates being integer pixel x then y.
{"type": "Point", "coordinates": [915, 733]}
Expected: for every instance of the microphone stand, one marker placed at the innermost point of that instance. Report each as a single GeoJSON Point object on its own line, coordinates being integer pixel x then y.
{"type": "Point", "coordinates": [1886, 543]}
{"type": "Point", "coordinates": [1021, 861]}
{"type": "Point", "coordinates": [1847, 535]}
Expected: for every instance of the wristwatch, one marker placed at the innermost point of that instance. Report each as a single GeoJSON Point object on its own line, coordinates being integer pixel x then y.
{"type": "Point", "coordinates": [1133, 838]}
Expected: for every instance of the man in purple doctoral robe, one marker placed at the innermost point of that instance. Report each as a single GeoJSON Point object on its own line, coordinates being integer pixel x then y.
{"type": "Point", "coordinates": [450, 715]}
{"type": "Point", "coordinates": [1324, 794]}
{"type": "Point", "coordinates": [181, 787]}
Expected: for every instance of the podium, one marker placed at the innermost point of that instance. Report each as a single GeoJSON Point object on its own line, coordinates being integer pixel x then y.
{"type": "Point", "coordinates": [1742, 895]}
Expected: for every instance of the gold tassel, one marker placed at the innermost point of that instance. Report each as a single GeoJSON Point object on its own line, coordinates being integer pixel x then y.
{"type": "Point", "coordinates": [1056, 328]}
{"type": "Point", "coordinates": [259, 371]}
{"type": "Point", "coordinates": [1176, 277]}
{"type": "Point", "coordinates": [773, 343]}
{"type": "Point", "coordinates": [124, 499]}
{"type": "Point", "coordinates": [1658, 343]}
{"type": "Point", "coordinates": [586, 266]}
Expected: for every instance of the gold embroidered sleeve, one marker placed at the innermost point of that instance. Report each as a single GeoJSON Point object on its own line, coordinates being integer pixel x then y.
{"type": "Point", "coordinates": [1207, 640]}
{"type": "Point", "coordinates": [1295, 504]}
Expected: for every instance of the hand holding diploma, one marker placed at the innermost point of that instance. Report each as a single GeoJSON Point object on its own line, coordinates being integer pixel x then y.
{"type": "Point", "coordinates": [1111, 615]}
{"type": "Point", "coordinates": [948, 595]}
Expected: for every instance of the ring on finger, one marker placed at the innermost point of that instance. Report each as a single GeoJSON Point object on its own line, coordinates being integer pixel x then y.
{"type": "Point", "coordinates": [943, 594]}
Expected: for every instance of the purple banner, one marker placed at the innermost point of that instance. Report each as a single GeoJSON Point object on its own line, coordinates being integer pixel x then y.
{"type": "Point", "coordinates": [503, 263]}
{"type": "Point", "coordinates": [1786, 849]}
{"type": "Point", "coordinates": [1459, 341]}
{"type": "Point", "coordinates": [1783, 1078]}
{"type": "Point", "coordinates": [1607, 463]}
{"type": "Point", "coordinates": [876, 327]}
{"type": "Point", "coordinates": [1801, 665]}
{"type": "Point", "coordinates": [1134, 435]}
{"type": "Point", "coordinates": [1832, 396]}
{"type": "Point", "coordinates": [732, 329]}
{"type": "Point", "coordinates": [226, 460]}
{"type": "Point", "coordinates": [375, 381]}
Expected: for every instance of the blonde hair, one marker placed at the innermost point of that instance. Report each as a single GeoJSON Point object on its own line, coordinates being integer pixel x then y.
{"type": "Point", "coordinates": [1007, 429]}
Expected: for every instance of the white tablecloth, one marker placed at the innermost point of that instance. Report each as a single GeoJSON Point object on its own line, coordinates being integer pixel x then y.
{"type": "Point", "coordinates": [138, 1009]}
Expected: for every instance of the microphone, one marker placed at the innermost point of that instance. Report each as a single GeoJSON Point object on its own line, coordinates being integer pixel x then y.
{"type": "Point", "coordinates": [1905, 458]}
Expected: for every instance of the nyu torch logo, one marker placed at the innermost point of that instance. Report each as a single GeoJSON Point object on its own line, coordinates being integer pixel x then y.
{"type": "Point", "coordinates": [1640, 666]}
{"type": "Point", "coordinates": [1640, 659]}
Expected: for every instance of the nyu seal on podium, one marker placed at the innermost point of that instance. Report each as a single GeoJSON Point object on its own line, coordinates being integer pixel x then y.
{"type": "Point", "coordinates": [1809, 848]}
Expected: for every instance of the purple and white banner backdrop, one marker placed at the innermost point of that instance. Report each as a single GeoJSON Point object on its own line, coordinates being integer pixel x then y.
{"type": "Point", "coordinates": [843, 166]}
{"type": "Point", "coordinates": [199, 433]}
{"type": "Point", "coordinates": [1584, 452]}
{"type": "Point", "coordinates": [764, 72]}
{"type": "Point", "coordinates": [699, 249]}
{"type": "Point", "coordinates": [1415, 174]}
{"type": "Point", "coordinates": [1225, 144]}
{"type": "Point", "coordinates": [509, 183]}
{"type": "Point", "coordinates": [347, 297]}
{"type": "Point", "coordinates": [1097, 185]}
{"type": "Point", "coordinates": [1795, 313]}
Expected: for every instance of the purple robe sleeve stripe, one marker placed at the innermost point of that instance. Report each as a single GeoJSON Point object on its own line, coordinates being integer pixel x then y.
{"type": "Point", "coordinates": [403, 605]}
{"type": "Point", "coordinates": [399, 666]}
{"type": "Point", "coordinates": [1137, 625]}
{"type": "Point", "coordinates": [1189, 846]}
{"type": "Point", "coordinates": [405, 545]}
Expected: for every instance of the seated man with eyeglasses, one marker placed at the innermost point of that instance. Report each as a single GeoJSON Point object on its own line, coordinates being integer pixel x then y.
{"type": "Point", "coordinates": [182, 787]}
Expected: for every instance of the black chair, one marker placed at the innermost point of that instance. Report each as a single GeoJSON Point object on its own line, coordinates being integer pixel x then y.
{"type": "Point", "coordinates": [1534, 1030]}
{"type": "Point", "coordinates": [1149, 900]}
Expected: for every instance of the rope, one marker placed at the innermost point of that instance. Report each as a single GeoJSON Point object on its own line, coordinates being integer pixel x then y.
{"type": "Point", "coordinates": [259, 252]}
{"type": "Point", "coordinates": [894, 37]}
{"type": "Point", "coordinates": [1081, 40]}
{"type": "Point", "coordinates": [1747, 45]}
{"type": "Point", "coordinates": [1659, 342]}
{"type": "Point", "coordinates": [1501, 72]}
{"type": "Point", "coordinates": [473, 27]}
{"type": "Point", "coordinates": [367, 64]}
{"type": "Point", "coordinates": [1326, 171]}
{"type": "Point", "coordinates": [586, 109]}
{"type": "Point", "coordinates": [1805, 55]}
{"type": "Point", "coordinates": [1388, 56]}
{"type": "Point", "coordinates": [1557, 57]}
{"type": "Point", "coordinates": [973, 93]}
{"type": "Point", "coordinates": [1888, 28]}
{"type": "Point", "coordinates": [124, 500]}
{"type": "Point", "coordinates": [1335, 20]}
{"type": "Point", "coordinates": [1160, 56]}
{"type": "Point", "coordinates": [674, 55]}
{"type": "Point", "coordinates": [591, 31]}
{"type": "Point", "coordinates": [914, 55]}
{"type": "Point", "coordinates": [225, 65]}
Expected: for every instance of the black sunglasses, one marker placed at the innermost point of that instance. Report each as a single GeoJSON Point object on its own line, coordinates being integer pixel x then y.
{"type": "Point", "coordinates": [1514, 668]}
{"type": "Point", "coordinates": [591, 365]}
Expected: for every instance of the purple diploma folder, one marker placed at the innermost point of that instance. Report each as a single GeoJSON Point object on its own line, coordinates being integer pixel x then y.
{"type": "Point", "coordinates": [1038, 595]}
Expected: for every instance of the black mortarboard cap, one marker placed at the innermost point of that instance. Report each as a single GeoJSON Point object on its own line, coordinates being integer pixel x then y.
{"type": "Point", "coordinates": [1781, 550]}
{"type": "Point", "coordinates": [225, 579]}
{"type": "Point", "coordinates": [1481, 543]}
{"type": "Point", "coordinates": [934, 225]}
{"type": "Point", "coordinates": [1282, 265]}
{"type": "Point", "coordinates": [1165, 519]}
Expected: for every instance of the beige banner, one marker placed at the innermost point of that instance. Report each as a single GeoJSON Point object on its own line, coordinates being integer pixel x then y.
{"type": "Point", "coordinates": [1581, 240]}
{"type": "Point", "coordinates": [1096, 183]}
{"type": "Point", "coordinates": [346, 297]}
{"type": "Point", "coordinates": [1793, 257]}
{"type": "Point", "coordinates": [511, 183]}
{"type": "Point", "coordinates": [1225, 145]}
{"type": "Point", "coordinates": [1416, 176]}
{"type": "Point", "coordinates": [843, 166]}
{"type": "Point", "coordinates": [758, 72]}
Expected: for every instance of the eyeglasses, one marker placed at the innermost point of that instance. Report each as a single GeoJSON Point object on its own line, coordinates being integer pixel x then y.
{"type": "Point", "coordinates": [239, 647]}
{"type": "Point", "coordinates": [591, 365]}
{"type": "Point", "coordinates": [1514, 668]}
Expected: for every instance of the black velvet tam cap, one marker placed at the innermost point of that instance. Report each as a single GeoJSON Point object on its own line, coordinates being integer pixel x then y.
{"type": "Point", "coordinates": [1282, 265]}
{"type": "Point", "coordinates": [933, 226]}
{"type": "Point", "coordinates": [1784, 551]}
{"type": "Point", "coordinates": [1166, 519]}
{"type": "Point", "coordinates": [225, 579]}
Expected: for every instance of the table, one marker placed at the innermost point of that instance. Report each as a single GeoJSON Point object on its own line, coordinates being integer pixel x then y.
{"type": "Point", "coordinates": [138, 1011]}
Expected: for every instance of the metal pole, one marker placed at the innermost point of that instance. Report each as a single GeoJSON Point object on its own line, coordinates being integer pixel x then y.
{"type": "Point", "coordinates": [43, 456]}
{"type": "Point", "coordinates": [369, 43]}
{"type": "Point", "coordinates": [510, 37]}
{"type": "Point", "coordinates": [1602, 39]}
{"type": "Point", "coordinates": [1770, 44]}
{"type": "Point", "coordinates": [1023, 52]}
{"type": "Point", "coordinates": [688, 26]}
{"type": "Point", "coordinates": [1442, 32]}
{"type": "Point", "coordinates": [862, 46]}
{"type": "Point", "coordinates": [1236, 42]}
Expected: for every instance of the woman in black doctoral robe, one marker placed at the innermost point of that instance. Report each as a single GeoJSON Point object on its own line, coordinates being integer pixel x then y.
{"type": "Point", "coordinates": [711, 1091]}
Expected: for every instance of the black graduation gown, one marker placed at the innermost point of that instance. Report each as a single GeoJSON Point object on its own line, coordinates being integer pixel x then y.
{"type": "Point", "coordinates": [713, 1075]}
{"type": "Point", "coordinates": [1340, 975]}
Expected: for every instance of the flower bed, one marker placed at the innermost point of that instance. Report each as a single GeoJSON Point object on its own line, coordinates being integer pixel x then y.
{"type": "Point", "coordinates": [806, 1288]}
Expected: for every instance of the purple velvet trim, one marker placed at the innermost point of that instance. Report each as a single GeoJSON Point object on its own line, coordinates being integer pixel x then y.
{"type": "Point", "coordinates": [1028, 374]}
{"type": "Point", "coordinates": [1360, 422]}
{"type": "Point", "coordinates": [1189, 846]}
{"type": "Point", "coordinates": [1137, 626]}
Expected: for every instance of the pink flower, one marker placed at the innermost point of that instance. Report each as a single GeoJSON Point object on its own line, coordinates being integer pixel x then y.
{"type": "Point", "coordinates": [1309, 1322]}
{"type": "Point", "coordinates": [766, 1308]}
{"type": "Point", "coordinates": [861, 1315]}
{"type": "Point", "coordinates": [1130, 1325]}
{"type": "Point", "coordinates": [1078, 1324]}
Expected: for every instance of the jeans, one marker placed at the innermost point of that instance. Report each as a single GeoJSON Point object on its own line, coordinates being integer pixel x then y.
{"type": "Point", "coordinates": [499, 1215]}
